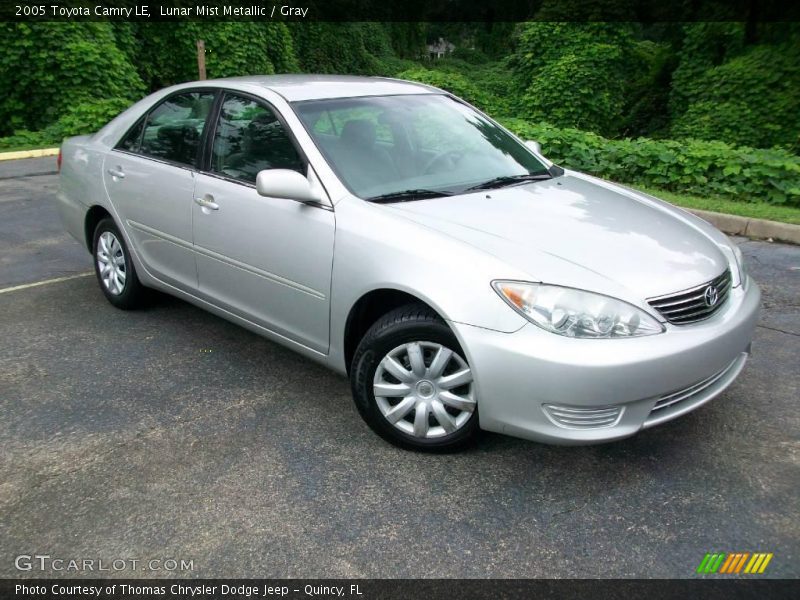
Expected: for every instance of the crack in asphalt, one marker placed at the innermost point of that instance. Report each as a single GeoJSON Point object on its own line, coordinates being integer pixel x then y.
{"type": "Point", "coordinates": [779, 330]}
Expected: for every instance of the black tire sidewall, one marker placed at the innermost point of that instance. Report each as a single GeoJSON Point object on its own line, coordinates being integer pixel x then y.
{"type": "Point", "coordinates": [377, 343]}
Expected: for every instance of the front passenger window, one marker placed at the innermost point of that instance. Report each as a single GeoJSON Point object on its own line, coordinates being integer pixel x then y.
{"type": "Point", "coordinates": [250, 138]}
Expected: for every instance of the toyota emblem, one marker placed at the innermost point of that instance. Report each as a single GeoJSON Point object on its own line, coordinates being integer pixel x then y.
{"type": "Point", "coordinates": [711, 295]}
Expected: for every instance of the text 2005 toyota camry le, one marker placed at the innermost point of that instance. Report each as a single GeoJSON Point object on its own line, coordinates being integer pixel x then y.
{"type": "Point", "coordinates": [396, 234]}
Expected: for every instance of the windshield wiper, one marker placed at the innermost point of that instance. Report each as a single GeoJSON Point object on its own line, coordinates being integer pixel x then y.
{"type": "Point", "coordinates": [407, 196]}
{"type": "Point", "coordinates": [505, 180]}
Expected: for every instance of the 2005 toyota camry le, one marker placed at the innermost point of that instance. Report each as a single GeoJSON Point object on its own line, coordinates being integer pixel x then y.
{"type": "Point", "coordinates": [400, 236]}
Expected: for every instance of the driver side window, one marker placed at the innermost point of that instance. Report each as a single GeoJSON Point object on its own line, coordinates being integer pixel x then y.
{"type": "Point", "coordinates": [249, 138]}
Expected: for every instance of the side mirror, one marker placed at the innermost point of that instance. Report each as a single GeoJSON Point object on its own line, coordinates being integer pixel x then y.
{"type": "Point", "coordinates": [288, 184]}
{"type": "Point", "coordinates": [535, 146]}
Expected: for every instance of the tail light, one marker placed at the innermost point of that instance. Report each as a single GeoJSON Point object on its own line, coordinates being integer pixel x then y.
{"type": "Point", "coordinates": [58, 160]}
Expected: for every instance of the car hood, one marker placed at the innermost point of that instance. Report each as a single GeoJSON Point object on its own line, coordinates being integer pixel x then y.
{"type": "Point", "coordinates": [647, 247]}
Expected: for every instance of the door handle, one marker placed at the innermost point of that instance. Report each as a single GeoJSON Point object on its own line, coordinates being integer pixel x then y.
{"type": "Point", "coordinates": [207, 202]}
{"type": "Point", "coordinates": [118, 173]}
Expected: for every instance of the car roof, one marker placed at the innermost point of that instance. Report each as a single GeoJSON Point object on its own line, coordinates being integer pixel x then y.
{"type": "Point", "coordinates": [293, 88]}
{"type": "Point", "coordinates": [296, 88]}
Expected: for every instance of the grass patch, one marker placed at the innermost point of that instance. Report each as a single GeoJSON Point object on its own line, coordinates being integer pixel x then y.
{"type": "Point", "coordinates": [754, 210]}
{"type": "Point", "coordinates": [21, 147]}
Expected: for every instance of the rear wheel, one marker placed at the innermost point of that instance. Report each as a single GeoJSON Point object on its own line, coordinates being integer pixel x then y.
{"type": "Point", "coordinates": [114, 267]}
{"type": "Point", "coordinates": [412, 384]}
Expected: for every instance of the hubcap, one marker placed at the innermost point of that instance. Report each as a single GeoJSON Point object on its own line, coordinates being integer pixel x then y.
{"type": "Point", "coordinates": [424, 389]}
{"type": "Point", "coordinates": [111, 263]}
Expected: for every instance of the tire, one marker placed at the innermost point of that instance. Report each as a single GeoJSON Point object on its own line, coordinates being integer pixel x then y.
{"type": "Point", "coordinates": [121, 287]}
{"type": "Point", "coordinates": [415, 330]}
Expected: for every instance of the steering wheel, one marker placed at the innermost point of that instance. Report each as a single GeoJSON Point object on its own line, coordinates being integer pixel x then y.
{"type": "Point", "coordinates": [447, 158]}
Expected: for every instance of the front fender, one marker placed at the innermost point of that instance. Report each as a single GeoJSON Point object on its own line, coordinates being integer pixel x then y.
{"type": "Point", "coordinates": [376, 249]}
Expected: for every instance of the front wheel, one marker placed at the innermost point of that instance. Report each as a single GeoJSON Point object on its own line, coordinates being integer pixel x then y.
{"type": "Point", "coordinates": [412, 384]}
{"type": "Point", "coordinates": [114, 267]}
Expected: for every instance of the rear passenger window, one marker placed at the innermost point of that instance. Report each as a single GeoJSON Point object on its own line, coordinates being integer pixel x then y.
{"type": "Point", "coordinates": [173, 129]}
{"type": "Point", "coordinates": [130, 143]}
{"type": "Point", "coordinates": [250, 138]}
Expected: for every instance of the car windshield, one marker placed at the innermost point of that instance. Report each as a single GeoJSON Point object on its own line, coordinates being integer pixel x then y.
{"type": "Point", "coordinates": [392, 148]}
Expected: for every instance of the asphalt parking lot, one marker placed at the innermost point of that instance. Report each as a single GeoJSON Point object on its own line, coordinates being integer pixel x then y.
{"type": "Point", "coordinates": [170, 433]}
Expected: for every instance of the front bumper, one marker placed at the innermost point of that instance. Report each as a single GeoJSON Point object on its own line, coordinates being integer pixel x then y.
{"type": "Point", "coordinates": [649, 380]}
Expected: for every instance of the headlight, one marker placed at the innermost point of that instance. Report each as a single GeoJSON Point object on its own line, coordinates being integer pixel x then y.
{"type": "Point", "coordinates": [575, 313]}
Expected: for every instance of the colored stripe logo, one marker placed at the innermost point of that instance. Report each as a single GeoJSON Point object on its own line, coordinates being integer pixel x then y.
{"type": "Point", "coordinates": [733, 563]}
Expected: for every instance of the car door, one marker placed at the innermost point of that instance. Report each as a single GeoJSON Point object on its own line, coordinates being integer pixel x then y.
{"type": "Point", "coordinates": [266, 259]}
{"type": "Point", "coordinates": [150, 178]}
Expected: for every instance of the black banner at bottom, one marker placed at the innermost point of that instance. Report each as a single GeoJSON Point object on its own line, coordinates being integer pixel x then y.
{"type": "Point", "coordinates": [373, 589]}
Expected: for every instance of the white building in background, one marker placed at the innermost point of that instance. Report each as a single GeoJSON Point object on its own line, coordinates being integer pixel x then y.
{"type": "Point", "coordinates": [440, 48]}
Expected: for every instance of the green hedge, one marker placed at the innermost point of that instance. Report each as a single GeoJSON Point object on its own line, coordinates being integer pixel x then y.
{"type": "Point", "coordinates": [453, 82]}
{"type": "Point", "coordinates": [581, 75]}
{"type": "Point", "coordinates": [48, 68]}
{"type": "Point", "coordinates": [728, 88]}
{"type": "Point", "coordinates": [692, 167]}
{"type": "Point", "coordinates": [167, 52]}
{"type": "Point", "coordinates": [702, 168]}
{"type": "Point", "coordinates": [85, 117]}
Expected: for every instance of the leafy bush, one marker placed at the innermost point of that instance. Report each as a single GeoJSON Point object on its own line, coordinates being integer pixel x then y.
{"type": "Point", "coordinates": [472, 56]}
{"type": "Point", "coordinates": [577, 74]}
{"type": "Point", "coordinates": [693, 167]}
{"type": "Point", "coordinates": [647, 109]}
{"type": "Point", "coordinates": [454, 83]}
{"type": "Point", "coordinates": [704, 45]}
{"type": "Point", "coordinates": [753, 99]}
{"type": "Point", "coordinates": [391, 66]}
{"type": "Point", "coordinates": [488, 86]}
{"type": "Point", "coordinates": [340, 47]}
{"type": "Point", "coordinates": [86, 117]}
{"type": "Point", "coordinates": [575, 89]}
{"type": "Point", "coordinates": [727, 87]}
{"type": "Point", "coordinates": [47, 68]}
{"type": "Point", "coordinates": [407, 39]}
{"type": "Point", "coordinates": [232, 48]}
{"type": "Point", "coordinates": [24, 139]}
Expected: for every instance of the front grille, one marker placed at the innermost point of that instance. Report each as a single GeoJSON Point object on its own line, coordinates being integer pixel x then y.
{"type": "Point", "coordinates": [691, 305]}
{"type": "Point", "coordinates": [572, 417]}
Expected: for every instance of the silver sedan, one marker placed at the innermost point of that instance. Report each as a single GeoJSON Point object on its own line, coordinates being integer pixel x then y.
{"type": "Point", "coordinates": [401, 237]}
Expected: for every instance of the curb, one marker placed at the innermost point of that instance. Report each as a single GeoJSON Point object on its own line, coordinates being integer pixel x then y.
{"type": "Point", "coordinates": [29, 153]}
{"type": "Point", "coordinates": [752, 228]}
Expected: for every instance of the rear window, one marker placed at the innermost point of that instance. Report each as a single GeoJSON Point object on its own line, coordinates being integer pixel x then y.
{"type": "Point", "coordinates": [133, 139]}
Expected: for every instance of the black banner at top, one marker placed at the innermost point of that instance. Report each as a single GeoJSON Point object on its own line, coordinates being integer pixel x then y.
{"type": "Point", "coordinates": [401, 10]}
